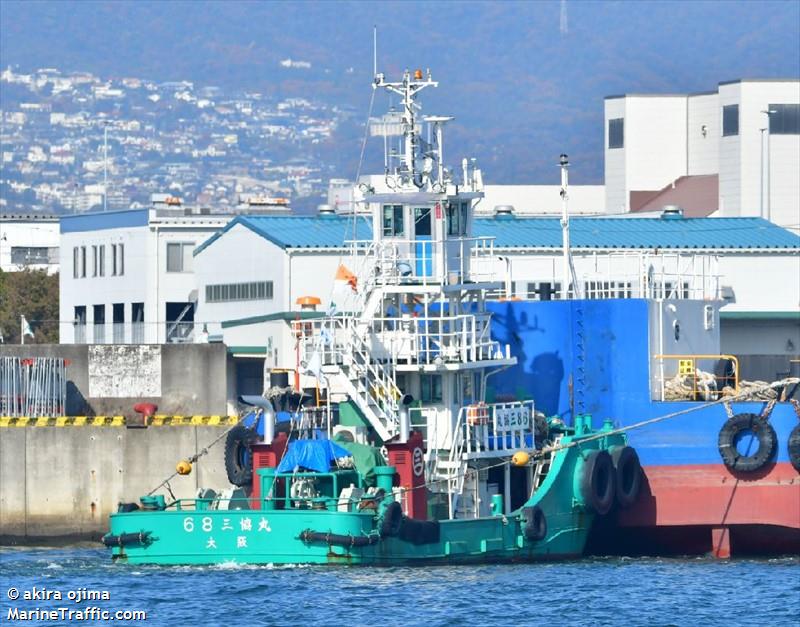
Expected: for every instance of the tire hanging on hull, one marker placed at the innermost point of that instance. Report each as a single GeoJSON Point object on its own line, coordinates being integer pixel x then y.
{"type": "Point", "coordinates": [535, 527]}
{"type": "Point", "coordinates": [628, 475]}
{"type": "Point", "coordinates": [598, 482]}
{"type": "Point", "coordinates": [731, 433]}
{"type": "Point", "coordinates": [239, 456]}
{"type": "Point", "coordinates": [794, 448]}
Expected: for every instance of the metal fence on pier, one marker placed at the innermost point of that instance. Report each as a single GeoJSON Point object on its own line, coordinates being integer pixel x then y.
{"type": "Point", "coordinates": [33, 386]}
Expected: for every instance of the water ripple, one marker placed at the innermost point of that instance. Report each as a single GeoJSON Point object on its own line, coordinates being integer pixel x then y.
{"type": "Point", "coordinates": [593, 591]}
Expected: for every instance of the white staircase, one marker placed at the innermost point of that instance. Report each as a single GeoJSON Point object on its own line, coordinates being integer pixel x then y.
{"type": "Point", "coordinates": [370, 385]}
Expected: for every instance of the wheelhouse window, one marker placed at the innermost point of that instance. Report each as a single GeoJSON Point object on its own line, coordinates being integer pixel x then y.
{"type": "Point", "coordinates": [431, 388]}
{"type": "Point", "coordinates": [785, 120]}
{"type": "Point", "coordinates": [616, 133]}
{"type": "Point", "coordinates": [392, 220]}
{"type": "Point", "coordinates": [730, 120]}
{"type": "Point", "coordinates": [457, 218]}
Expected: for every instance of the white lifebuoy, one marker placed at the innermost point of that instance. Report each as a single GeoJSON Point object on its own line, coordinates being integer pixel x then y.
{"type": "Point", "coordinates": [418, 461]}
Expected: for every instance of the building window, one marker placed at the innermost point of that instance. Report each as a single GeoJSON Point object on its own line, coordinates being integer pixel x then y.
{"type": "Point", "coordinates": [392, 220]}
{"type": "Point", "coordinates": [118, 313]}
{"type": "Point", "coordinates": [94, 260]}
{"type": "Point", "coordinates": [76, 262]}
{"type": "Point", "coordinates": [80, 324]}
{"type": "Point", "coordinates": [117, 259]}
{"type": "Point", "coordinates": [730, 120]}
{"type": "Point", "coordinates": [31, 255]}
{"type": "Point", "coordinates": [785, 120]}
{"type": "Point", "coordinates": [430, 388]}
{"type": "Point", "coordinates": [260, 290]}
{"type": "Point", "coordinates": [99, 324]}
{"type": "Point", "coordinates": [101, 260]}
{"type": "Point", "coordinates": [137, 323]}
{"type": "Point", "coordinates": [616, 133]}
{"type": "Point", "coordinates": [179, 256]}
{"type": "Point", "coordinates": [83, 262]}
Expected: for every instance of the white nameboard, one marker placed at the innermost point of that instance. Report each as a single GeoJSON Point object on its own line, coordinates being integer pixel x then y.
{"type": "Point", "coordinates": [512, 418]}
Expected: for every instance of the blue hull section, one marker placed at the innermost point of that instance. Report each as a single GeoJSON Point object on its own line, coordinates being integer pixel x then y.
{"type": "Point", "coordinates": [593, 357]}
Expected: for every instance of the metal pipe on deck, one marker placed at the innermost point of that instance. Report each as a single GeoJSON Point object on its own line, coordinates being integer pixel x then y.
{"type": "Point", "coordinates": [267, 414]}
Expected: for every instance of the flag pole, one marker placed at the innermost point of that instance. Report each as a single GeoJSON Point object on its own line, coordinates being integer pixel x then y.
{"type": "Point", "coordinates": [22, 329]}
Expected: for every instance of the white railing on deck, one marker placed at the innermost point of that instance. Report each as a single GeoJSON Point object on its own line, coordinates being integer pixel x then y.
{"type": "Point", "coordinates": [497, 428]}
{"type": "Point", "coordinates": [659, 275]}
{"type": "Point", "coordinates": [405, 339]}
{"type": "Point", "coordinates": [337, 343]}
{"type": "Point", "coordinates": [426, 262]}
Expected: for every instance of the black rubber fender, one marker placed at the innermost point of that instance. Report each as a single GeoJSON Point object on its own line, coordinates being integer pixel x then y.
{"type": "Point", "coordinates": [628, 474]}
{"type": "Point", "coordinates": [733, 428]}
{"type": "Point", "coordinates": [598, 482]}
{"type": "Point", "coordinates": [535, 527]}
{"type": "Point", "coordinates": [419, 531]}
{"type": "Point", "coordinates": [392, 520]}
{"type": "Point", "coordinates": [238, 455]}
{"type": "Point", "coordinates": [128, 539]}
{"type": "Point", "coordinates": [336, 538]}
{"type": "Point", "coordinates": [794, 447]}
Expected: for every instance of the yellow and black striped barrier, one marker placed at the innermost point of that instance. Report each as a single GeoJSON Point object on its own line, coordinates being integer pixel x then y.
{"type": "Point", "coordinates": [117, 421]}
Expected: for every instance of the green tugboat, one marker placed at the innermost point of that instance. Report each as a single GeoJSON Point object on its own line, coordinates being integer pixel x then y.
{"type": "Point", "coordinates": [402, 460]}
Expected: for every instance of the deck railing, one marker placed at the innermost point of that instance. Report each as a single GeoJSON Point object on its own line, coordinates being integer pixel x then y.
{"type": "Point", "coordinates": [405, 339]}
{"type": "Point", "coordinates": [498, 428]}
{"type": "Point", "coordinates": [425, 261]}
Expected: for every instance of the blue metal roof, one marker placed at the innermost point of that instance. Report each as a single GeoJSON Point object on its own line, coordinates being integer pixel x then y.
{"type": "Point", "coordinates": [534, 232]}
{"type": "Point", "coordinates": [631, 233]}
{"type": "Point", "coordinates": [327, 231]}
{"type": "Point", "coordinates": [104, 220]}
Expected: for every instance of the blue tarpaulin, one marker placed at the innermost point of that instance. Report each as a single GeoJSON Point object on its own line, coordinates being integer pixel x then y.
{"type": "Point", "coordinates": [314, 455]}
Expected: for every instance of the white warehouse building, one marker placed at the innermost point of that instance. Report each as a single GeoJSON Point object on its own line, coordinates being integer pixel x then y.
{"type": "Point", "coordinates": [127, 276]}
{"type": "Point", "coordinates": [251, 275]}
{"type": "Point", "coordinates": [28, 242]}
{"type": "Point", "coordinates": [732, 152]}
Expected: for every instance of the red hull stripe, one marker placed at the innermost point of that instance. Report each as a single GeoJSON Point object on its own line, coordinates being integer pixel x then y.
{"type": "Point", "coordinates": [713, 495]}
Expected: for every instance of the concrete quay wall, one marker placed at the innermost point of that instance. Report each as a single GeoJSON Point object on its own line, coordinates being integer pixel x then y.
{"type": "Point", "coordinates": [63, 482]}
{"type": "Point", "coordinates": [109, 379]}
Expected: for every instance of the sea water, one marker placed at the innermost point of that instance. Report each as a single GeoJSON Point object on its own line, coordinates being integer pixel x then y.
{"type": "Point", "coordinates": [593, 591]}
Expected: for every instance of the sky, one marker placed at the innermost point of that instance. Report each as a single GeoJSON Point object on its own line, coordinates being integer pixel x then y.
{"type": "Point", "coordinates": [525, 80]}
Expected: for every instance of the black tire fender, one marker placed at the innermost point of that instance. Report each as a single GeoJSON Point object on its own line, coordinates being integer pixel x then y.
{"type": "Point", "coordinates": [238, 455]}
{"type": "Point", "coordinates": [392, 520]}
{"type": "Point", "coordinates": [598, 482]}
{"type": "Point", "coordinates": [535, 527]}
{"type": "Point", "coordinates": [729, 435]}
{"type": "Point", "coordinates": [628, 474]}
{"type": "Point", "coordinates": [794, 448]}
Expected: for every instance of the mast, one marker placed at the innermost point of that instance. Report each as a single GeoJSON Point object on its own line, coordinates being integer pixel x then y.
{"type": "Point", "coordinates": [568, 269]}
{"type": "Point", "coordinates": [408, 89]}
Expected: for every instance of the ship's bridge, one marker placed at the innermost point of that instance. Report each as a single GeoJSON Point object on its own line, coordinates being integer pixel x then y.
{"type": "Point", "coordinates": [425, 239]}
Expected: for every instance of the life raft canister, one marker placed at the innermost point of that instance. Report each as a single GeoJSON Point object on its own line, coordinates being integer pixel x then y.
{"type": "Point", "coordinates": [794, 448]}
{"type": "Point", "coordinates": [597, 482]}
{"type": "Point", "coordinates": [628, 475]}
{"type": "Point", "coordinates": [239, 456]}
{"type": "Point", "coordinates": [731, 433]}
